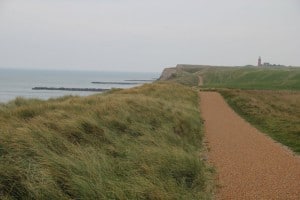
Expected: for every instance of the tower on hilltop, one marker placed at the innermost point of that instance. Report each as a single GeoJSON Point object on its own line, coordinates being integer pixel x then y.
{"type": "Point", "coordinates": [259, 62]}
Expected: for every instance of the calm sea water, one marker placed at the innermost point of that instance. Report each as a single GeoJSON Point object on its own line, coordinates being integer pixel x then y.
{"type": "Point", "coordinates": [19, 83]}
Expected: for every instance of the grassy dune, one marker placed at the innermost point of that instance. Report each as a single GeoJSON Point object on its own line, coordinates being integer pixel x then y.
{"type": "Point", "coordinates": [276, 113]}
{"type": "Point", "coordinates": [140, 143]}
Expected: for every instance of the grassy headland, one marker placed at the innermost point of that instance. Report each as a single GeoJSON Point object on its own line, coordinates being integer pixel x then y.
{"type": "Point", "coordinates": [268, 98]}
{"type": "Point", "coordinates": [263, 78]}
{"type": "Point", "coordinates": [140, 143]}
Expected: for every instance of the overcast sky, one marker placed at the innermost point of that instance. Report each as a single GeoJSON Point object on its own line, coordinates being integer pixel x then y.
{"type": "Point", "coordinates": [147, 35]}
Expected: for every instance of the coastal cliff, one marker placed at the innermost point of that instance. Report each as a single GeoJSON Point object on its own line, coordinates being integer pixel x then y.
{"type": "Point", "coordinates": [167, 73]}
{"type": "Point", "coordinates": [172, 72]}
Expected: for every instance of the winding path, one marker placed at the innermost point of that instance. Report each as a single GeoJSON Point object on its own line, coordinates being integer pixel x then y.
{"type": "Point", "coordinates": [249, 164]}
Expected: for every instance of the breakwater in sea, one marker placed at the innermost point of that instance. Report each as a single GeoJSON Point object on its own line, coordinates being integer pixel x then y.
{"type": "Point", "coordinates": [115, 83]}
{"type": "Point", "coordinates": [126, 82]}
{"type": "Point", "coordinates": [19, 83]}
{"type": "Point", "coordinates": [154, 79]}
{"type": "Point", "coordinates": [133, 82]}
{"type": "Point", "coordinates": [71, 89]}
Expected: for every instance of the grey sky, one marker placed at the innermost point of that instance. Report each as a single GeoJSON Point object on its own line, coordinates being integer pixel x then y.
{"type": "Point", "coordinates": [140, 35]}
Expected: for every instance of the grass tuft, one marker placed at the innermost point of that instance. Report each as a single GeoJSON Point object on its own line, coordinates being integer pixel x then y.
{"type": "Point", "coordinates": [139, 143]}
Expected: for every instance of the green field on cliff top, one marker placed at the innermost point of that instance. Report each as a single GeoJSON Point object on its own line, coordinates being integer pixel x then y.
{"type": "Point", "coordinates": [274, 78]}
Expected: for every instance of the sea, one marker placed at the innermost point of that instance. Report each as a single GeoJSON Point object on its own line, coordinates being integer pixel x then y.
{"type": "Point", "coordinates": [19, 82]}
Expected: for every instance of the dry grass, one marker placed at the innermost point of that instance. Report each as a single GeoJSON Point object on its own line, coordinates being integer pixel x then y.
{"type": "Point", "coordinates": [140, 143]}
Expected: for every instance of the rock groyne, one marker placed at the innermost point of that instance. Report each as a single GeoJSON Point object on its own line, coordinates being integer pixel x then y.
{"type": "Point", "coordinates": [71, 89]}
{"type": "Point", "coordinates": [116, 83]}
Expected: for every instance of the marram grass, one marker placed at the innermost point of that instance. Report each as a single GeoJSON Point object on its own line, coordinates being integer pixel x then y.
{"type": "Point", "coordinates": [140, 143]}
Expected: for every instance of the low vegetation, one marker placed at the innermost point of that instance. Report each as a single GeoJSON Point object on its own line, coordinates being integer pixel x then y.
{"type": "Point", "coordinates": [270, 78]}
{"type": "Point", "coordinates": [276, 113]}
{"type": "Point", "coordinates": [262, 78]}
{"type": "Point", "coordinates": [185, 78]}
{"type": "Point", "coordinates": [140, 143]}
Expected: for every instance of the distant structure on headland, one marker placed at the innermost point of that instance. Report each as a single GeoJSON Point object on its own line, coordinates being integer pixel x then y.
{"type": "Point", "coordinates": [259, 62]}
{"type": "Point", "coordinates": [266, 64]}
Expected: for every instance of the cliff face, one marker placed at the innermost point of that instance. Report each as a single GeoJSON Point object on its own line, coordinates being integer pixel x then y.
{"type": "Point", "coordinates": [167, 73]}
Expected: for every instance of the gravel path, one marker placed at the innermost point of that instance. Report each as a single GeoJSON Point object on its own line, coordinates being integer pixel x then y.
{"type": "Point", "coordinates": [249, 164]}
{"type": "Point", "coordinates": [200, 81]}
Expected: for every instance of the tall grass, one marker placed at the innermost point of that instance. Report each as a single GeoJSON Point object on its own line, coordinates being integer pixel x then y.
{"type": "Point", "coordinates": [276, 113]}
{"type": "Point", "coordinates": [140, 143]}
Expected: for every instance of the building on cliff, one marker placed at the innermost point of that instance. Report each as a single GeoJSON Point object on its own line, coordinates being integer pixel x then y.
{"type": "Point", "coordinates": [267, 64]}
{"type": "Point", "coordinates": [259, 62]}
